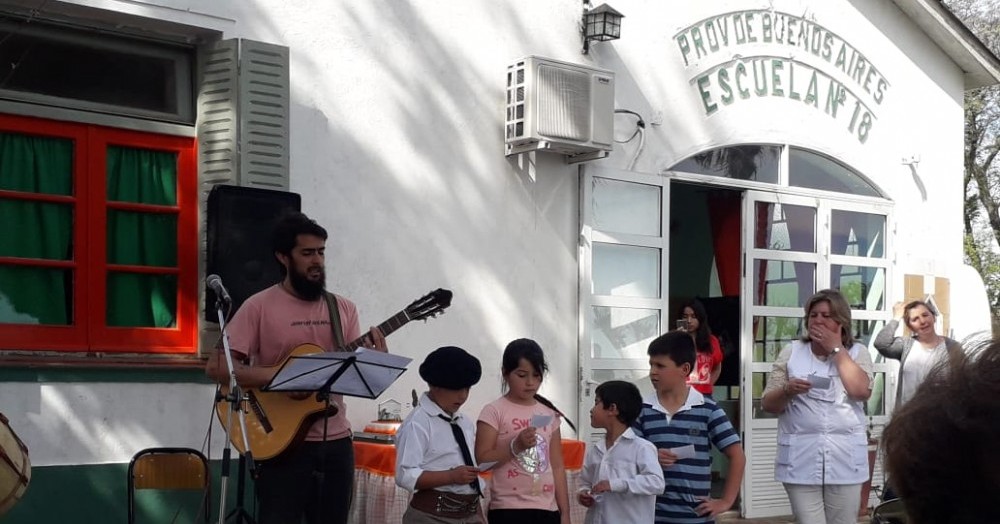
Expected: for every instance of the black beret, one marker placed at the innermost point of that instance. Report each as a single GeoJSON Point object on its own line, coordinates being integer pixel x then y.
{"type": "Point", "coordinates": [451, 367]}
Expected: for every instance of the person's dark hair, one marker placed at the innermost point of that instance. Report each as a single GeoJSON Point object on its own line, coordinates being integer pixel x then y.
{"type": "Point", "coordinates": [913, 305]}
{"type": "Point", "coordinates": [676, 345]}
{"type": "Point", "coordinates": [529, 350]}
{"type": "Point", "coordinates": [287, 230]}
{"type": "Point", "coordinates": [623, 394]}
{"type": "Point", "coordinates": [840, 312]}
{"type": "Point", "coordinates": [940, 446]}
{"type": "Point", "coordinates": [701, 342]}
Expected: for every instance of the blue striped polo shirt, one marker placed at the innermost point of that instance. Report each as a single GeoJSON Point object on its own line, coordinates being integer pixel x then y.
{"type": "Point", "coordinates": [700, 422]}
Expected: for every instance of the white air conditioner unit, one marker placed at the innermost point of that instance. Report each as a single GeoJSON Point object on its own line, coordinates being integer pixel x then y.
{"type": "Point", "coordinates": [559, 107]}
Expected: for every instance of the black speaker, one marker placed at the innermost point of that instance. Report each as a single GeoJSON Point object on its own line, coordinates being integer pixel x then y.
{"type": "Point", "coordinates": [240, 222]}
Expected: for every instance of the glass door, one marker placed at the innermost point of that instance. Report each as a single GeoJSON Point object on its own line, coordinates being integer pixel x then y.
{"type": "Point", "coordinates": [793, 247]}
{"type": "Point", "coordinates": [622, 286]}
{"type": "Point", "coordinates": [783, 264]}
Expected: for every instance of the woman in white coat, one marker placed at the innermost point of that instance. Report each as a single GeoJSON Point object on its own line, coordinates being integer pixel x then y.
{"type": "Point", "coordinates": [818, 387]}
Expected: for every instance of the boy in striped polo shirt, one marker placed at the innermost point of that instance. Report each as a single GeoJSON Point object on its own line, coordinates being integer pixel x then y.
{"type": "Point", "coordinates": [683, 424]}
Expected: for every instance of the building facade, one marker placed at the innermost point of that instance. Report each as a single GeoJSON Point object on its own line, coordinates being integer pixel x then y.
{"type": "Point", "coordinates": [759, 151]}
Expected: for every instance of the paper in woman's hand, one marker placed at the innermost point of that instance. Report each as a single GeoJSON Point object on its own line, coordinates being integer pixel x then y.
{"type": "Point", "coordinates": [486, 466]}
{"type": "Point", "coordinates": [819, 382]}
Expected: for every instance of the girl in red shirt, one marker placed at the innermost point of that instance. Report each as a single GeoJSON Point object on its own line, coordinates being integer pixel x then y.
{"type": "Point", "coordinates": [694, 320]}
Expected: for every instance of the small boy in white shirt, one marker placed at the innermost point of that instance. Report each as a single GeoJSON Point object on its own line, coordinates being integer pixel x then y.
{"type": "Point", "coordinates": [621, 475]}
{"type": "Point", "coordinates": [433, 445]}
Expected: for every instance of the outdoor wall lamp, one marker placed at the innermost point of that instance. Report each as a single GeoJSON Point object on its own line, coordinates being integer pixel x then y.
{"type": "Point", "coordinates": [601, 23]}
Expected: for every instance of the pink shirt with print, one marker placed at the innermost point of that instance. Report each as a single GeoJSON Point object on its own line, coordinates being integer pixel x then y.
{"type": "Point", "coordinates": [525, 482]}
{"type": "Point", "coordinates": [273, 322]}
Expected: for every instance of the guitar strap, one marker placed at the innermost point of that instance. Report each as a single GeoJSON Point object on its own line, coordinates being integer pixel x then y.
{"type": "Point", "coordinates": [338, 330]}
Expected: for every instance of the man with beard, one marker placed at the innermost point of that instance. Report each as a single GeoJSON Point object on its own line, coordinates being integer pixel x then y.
{"type": "Point", "coordinates": [312, 478]}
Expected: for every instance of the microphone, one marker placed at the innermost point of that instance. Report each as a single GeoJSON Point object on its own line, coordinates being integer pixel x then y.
{"type": "Point", "coordinates": [214, 282]}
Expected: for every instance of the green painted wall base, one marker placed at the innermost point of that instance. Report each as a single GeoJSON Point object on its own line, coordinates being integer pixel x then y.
{"type": "Point", "coordinates": [96, 494]}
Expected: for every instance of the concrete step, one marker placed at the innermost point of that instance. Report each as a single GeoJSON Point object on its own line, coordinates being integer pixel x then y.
{"type": "Point", "coordinates": [733, 517]}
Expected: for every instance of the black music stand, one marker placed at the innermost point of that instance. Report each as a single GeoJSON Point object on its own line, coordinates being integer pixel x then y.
{"type": "Point", "coordinates": [364, 373]}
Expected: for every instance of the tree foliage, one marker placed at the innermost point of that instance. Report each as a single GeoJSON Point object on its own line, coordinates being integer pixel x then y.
{"type": "Point", "coordinates": [982, 156]}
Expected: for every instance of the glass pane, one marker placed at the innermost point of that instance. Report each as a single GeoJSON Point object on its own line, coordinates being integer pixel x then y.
{"type": "Point", "coordinates": [863, 287]}
{"type": "Point", "coordinates": [784, 227]}
{"type": "Point", "coordinates": [36, 230]}
{"type": "Point", "coordinates": [782, 283]}
{"type": "Point", "coordinates": [142, 176]}
{"type": "Point", "coordinates": [772, 334]}
{"type": "Point", "coordinates": [747, 162]}
{"type": "Point", "coordinates": [807, 169]}
{"type": "Point", "coordinates": [876, 402]}
{"type": "Point", "coordinates": [626, 271]}
{"type": "Point", "coordinates": [639, 377]}
{"type": "Point", "coordinates": [30, 295]}
{"type": "Point", "coordinates": [623, 332]}
{"type": "Point", "coordinates": [857, 234]}
{"type": "Point", "coordinates": [626, 207]}
{"type": "Point", "coordinates": [864, 331]}
{"type": "Point", "coordinates": [142, 239]}
{"type": "Point", "coordinates": [138, 300]}
{"type": "Point", "coordinates": [33, 164]}
{"type": "Point", "coordinates": [759, 383]}
{"type": "Point", "coordinates": [63, 65]}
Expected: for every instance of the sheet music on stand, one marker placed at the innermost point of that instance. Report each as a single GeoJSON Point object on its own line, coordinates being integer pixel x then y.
{"type": "Point", "coordinates": [364, 373]}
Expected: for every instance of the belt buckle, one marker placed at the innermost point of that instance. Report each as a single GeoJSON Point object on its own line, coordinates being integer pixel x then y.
{"type": "Point", "coordinates": [446, 504]}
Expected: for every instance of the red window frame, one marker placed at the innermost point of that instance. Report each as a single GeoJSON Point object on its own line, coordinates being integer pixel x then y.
{"type": "Point", "coordinates": [89, 331]}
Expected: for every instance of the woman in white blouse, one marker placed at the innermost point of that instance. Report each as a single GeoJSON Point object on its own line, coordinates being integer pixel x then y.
{"type": "Point", "coordinates": [818, 387]}
{"type": "Point", "coordinates": [918, 353]}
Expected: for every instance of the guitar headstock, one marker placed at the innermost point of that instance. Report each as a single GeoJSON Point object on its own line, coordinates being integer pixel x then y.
{"type": "Point", "coordinates": [430, 305]}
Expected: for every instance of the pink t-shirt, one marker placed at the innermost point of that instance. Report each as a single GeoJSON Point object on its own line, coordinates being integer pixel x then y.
{"type": "Point", "coordinates": [525, 482]}
{"type": "Point", "coordinates": [273, 322]}
{"type": "Point", "coordinates": [701, 376]}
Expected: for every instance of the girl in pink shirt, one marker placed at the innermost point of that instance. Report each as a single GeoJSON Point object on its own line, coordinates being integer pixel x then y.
{"type": "Point", "coordinates": [520, 431]}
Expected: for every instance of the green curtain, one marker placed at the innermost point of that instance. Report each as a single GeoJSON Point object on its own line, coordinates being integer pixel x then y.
{"type": "Point", "coordinates": [142, 239]}
{"type": "Point", "coordinates": [36, 230]}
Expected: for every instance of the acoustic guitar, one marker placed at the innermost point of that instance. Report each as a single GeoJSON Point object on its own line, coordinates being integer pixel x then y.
{"type": "Point", "coordinates": [275, 421]}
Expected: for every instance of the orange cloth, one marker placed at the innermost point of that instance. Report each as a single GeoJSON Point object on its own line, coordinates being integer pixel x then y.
{"type": "Point", "coordinates": [381, 458]}
{"type": "Point", "coordinates": [573, 451]}
{"type": "Point", "coordinates": [375, 458]}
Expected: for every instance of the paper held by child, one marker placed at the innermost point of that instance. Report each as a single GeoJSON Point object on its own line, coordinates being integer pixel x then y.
{"type": "Point", "coordinates": [540, 421]}
{"type": "Point", "coordinates": [684, 452]}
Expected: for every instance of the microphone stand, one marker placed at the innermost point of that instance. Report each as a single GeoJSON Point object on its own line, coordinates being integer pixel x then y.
{"type": "Point", "coordinates": [235, 398]}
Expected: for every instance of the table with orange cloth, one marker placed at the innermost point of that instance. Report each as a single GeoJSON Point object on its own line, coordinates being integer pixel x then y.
{"type": "Point", "coordinates": [377, 498]}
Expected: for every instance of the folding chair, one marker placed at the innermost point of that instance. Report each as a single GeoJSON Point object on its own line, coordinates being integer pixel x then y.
{"type": "Point", "coordinates": [169, 469]}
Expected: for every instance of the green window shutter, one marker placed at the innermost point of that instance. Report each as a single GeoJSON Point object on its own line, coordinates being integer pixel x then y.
{"type": "Point", "coordinates": [218, 150]}
{"type": "Point", "coordinates": [263, 106]}
{"type": "Point", "coordinates": [243, 110]}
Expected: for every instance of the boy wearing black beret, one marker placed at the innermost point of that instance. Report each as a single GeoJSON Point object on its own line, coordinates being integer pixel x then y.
{"type": "Point", "coordinates": [433, 457]}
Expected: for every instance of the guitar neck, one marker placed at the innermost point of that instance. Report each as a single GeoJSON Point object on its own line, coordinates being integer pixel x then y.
{"type": "Point", "coordinates": [389, 326]}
